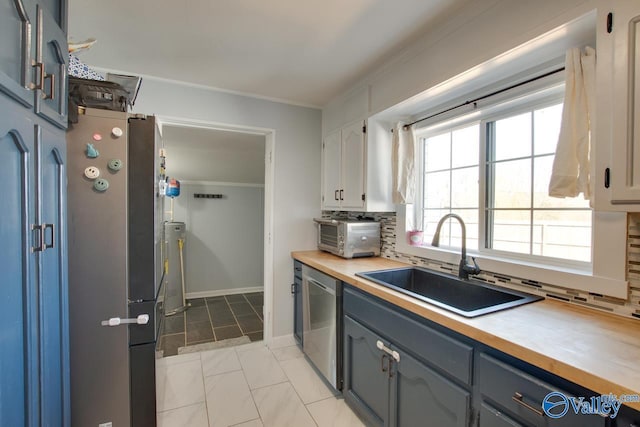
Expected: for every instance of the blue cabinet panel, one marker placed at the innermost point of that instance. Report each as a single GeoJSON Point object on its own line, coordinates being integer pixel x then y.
{"type": "Point", "coordinates": [53, 280]}
{"type": "Point", "coordinates": [51, 52]}
{"type": "Point", "coordinates": [366, 377]}
{"type": "Point", "coordinates": [423, 397]}
{"type": "Point", "coordinates": [18, 317]}
{"type": "Point", "coordinates": [17, 26]}
{"type": "Point", "coordinates": [491, 417]}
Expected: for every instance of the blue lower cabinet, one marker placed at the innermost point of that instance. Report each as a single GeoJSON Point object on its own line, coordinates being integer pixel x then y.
{"type": "Point", "coordinates": [421, 397]}
{"type": "Point", "coordinates": [366, 374]}
{"type": "Point", "coordinates": [34, 367]}
{"type": "Point", "coordinates": [404, 371]}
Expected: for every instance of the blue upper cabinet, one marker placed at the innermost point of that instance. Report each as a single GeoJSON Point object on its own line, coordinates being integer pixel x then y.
{"type": "Point", "coordinates": [17, 41]}
{"type": "Point", "coordinates": [52, 60]}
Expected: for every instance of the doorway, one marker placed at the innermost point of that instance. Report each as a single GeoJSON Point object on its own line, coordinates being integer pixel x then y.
{"type": "Point", "coordinates": [226, 204]}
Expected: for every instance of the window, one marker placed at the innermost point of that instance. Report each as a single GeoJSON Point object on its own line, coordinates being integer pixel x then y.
{"type": "Point", "coordinates": [493, 168]}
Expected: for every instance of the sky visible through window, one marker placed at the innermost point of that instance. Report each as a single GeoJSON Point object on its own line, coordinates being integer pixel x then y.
{"type": "Point", "coordinates": [519, 216]}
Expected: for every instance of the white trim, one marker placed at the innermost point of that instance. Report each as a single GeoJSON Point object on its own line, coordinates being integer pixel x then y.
{"type": "Point", "coordinates": [222, 184]}
{"type": "Point", "coordinates": [269, 180]}
{"type": "Point", "coordinates": [220, 292]}
{"type": "Point", "coordinates": [567, 278]}
{"type": "Point", "coordinates": [205, 87]}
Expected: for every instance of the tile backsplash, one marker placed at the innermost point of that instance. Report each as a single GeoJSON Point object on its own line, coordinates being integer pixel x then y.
{"type": "Point", "coordinates": [626, 308]}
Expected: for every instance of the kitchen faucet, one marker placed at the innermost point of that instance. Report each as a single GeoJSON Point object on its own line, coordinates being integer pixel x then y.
{"type": "Point", "coordinates": [465, 269]}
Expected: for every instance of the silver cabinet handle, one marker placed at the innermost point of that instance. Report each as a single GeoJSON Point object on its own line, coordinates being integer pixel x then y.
{"type": "Point", "coordinates": [142, 319]}
{"type": "Point", "coordinates": [519, 399]}
{"type": "Point", "coordinates": [52, 94]}
{"type": "Point", "coordinates": [44, 235]}
{"type": "Point", "coordinates": [40, 246]}
{"type": "Point", "coordinates": [392, 353]}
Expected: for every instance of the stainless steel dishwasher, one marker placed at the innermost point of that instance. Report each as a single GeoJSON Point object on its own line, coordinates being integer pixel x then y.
{"type": "Point", "coordinates": [322, 323]}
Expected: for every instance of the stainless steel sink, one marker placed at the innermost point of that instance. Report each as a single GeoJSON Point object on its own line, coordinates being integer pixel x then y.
{"type": "Point", "coordinates": [468, 298]}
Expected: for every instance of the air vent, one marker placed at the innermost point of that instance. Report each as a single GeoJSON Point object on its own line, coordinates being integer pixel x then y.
{"type": "Point", "coordinates": [208, 196]}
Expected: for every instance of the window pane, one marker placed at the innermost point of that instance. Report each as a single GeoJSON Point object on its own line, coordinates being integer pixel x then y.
{"type": "Point", "coordinates": [465, 145]}
{"type": "Point", "coordinates": [513, 137]}
{"type": "Point", "coordinates": [437, 152]}
{"type": "Point", "coordinates": [542, 167]}
{"type": "Point", "coordinates": [562, 234]}
{"type": "Point", "coordinates": [465, 182]}
{"type": "Point", "coordinates": [546, 128]}
{"type": "Point", "coordinates": [436, 190]}
{"type": "Point", "coordinates": [431, 218]}
{"type": "Point", "coordinates": [512, 184]}
{"type": "Point", "coordinates": [471, 220]}
{"type": "Point", "coordinates": [511, 231]}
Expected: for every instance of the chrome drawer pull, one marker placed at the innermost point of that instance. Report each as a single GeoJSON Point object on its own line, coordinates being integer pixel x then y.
{"type": "Point", "coordinates": [519, 399]}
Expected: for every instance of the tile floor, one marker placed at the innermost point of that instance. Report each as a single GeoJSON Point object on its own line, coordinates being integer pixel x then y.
{"type": "Point", "coordinates": [248, 385]}
{"type": "Point", "coordinates": [213, 319]}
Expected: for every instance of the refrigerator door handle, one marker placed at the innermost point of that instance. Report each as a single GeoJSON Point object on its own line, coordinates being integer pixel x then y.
{"type": "Point", "coordinates": [142, 319]}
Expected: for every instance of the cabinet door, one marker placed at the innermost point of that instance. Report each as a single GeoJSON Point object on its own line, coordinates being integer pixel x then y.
{"type": "Point", "coordinates": [17, 27]}
{"type": "Point", "coordinates": [366, 381]}
{"type": "Point", "coordinates": [18, 293]}
{"type": "Point", "coordinates": [420, 396]}
{"type": "Point", "coordinates": [331, 169]}
{"type": "Point", "coordinates": [353, 166]}
{"type": "Point", "coordinates": [54, 341]}
{"type": "Point", "coordinates": [491, 417]}
{"type": "Point", "coordinates": [51, 53]}
{"type": "Point", "coordinates": [625, 149]}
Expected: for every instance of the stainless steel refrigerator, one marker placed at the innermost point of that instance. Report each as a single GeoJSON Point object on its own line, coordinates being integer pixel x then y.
{"type": "Point", "coordinates": [114, 217]}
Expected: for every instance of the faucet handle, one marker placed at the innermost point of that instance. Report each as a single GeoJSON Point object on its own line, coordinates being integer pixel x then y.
{"type": "Point", "coordinates": [475, 269]}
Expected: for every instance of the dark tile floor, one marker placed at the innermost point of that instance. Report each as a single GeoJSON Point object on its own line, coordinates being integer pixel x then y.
{"type": "Point", "coordinates": [213, 319]}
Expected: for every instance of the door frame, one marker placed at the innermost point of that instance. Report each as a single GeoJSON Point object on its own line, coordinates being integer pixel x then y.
{"type": "Point", "coordinates": [269, 201]}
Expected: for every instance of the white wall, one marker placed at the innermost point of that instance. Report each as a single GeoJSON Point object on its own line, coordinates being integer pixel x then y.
{"type": "Point", "coordinates": [223, 245]}
{"type": "Point", "coordinates": [296, 166]}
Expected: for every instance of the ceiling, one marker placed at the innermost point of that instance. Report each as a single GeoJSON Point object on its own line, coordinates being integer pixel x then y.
{"type": "Point", "coordinates": [302, 52]}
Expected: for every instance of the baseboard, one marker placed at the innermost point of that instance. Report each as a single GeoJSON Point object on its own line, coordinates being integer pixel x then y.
{"type": "Point", "coordinates": [217, 293]}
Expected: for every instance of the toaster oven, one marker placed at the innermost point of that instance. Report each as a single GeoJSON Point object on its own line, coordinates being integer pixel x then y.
{"type": "Point", "coordinates": [349, 238]}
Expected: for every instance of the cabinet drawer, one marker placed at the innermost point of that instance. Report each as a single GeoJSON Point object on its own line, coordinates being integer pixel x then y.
{"type": "Point", "coordinates": [491, 417]}
{"type": "Point", "coordinates": [502, 384]}
{"type": "Point", "coordinates": [453, 357]}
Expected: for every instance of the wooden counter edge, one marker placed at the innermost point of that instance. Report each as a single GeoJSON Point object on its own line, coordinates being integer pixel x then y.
{"type": "Point", "coordinates": [456, 323]}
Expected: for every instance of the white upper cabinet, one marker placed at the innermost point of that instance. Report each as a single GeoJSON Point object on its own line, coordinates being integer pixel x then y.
{"type": "Point", "coordinates": [617, 154]}
{"type": "Point", "coordinates": [356, 168]}
{"type": "Point", "coordinates": [331, 171]}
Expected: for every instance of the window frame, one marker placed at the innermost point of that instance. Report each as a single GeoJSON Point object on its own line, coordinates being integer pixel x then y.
{"type": "Point", "coordinates": [598, 276]}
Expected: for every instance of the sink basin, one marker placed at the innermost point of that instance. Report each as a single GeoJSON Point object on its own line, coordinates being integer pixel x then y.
{"type": "Point", "coordinates": [468, 298]}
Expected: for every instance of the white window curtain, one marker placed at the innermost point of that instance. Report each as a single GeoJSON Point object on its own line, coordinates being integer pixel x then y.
{"type": "Point", "coordinates": [403, 164]}
{"type": "Point", "coordinates": [571, 172]}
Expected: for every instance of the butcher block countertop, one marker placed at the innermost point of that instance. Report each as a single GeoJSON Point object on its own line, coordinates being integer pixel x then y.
{"type": "Point", "coordinates": [596, 350]}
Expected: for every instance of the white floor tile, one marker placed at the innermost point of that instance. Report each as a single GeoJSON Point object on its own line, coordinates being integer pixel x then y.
{"type": "Point", "coordinates": [229, 400]}
{"type": "Point", "coordinates": [179, 385]}
{"type": "Point", "coordinates": [282, 341]}
{"type": "Point", "coordinates": [334, 413]}
{"type": "Point", "coordinates": [261, 368]}
{"type": "Point", "coordinates": [287, 353]}
{"type": "Point", "coordinates": [191, 416]}
{"type": "Point", "coordinates": [252, 423]}
{"type": "Point", "coordinates": [279, 406]}
{"type": "Point", "coordinates": [173, 360]}
{"type": "Point", "coordinates": [306, 381]}
{"type": "Point", "coordinates": [219, 361]}
{"type": "Point", "coordinates": [251, 346]}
